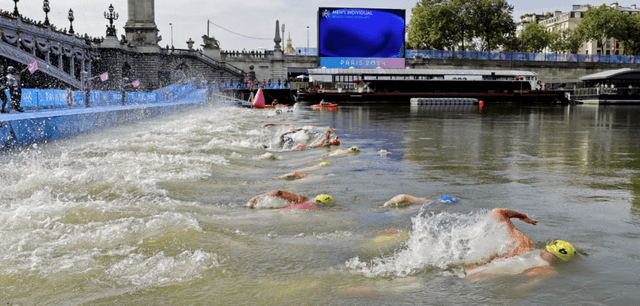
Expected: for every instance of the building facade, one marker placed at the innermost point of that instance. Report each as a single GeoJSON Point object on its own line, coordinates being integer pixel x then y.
{"type": "Point", "coordinates": [561, 21]}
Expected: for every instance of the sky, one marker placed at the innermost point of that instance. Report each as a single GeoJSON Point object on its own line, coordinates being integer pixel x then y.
{"type": "Point", "coordinates": [252, 18]}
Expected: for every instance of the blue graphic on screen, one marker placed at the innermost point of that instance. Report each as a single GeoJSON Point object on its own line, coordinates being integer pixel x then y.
{"type": "Point", "coordinates": [361, 33]}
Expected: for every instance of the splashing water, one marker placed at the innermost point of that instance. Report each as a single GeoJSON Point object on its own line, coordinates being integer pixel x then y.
{"type": "Point", "coordinates": [439, 241]}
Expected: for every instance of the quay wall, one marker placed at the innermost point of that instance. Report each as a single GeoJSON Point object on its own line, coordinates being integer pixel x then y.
{"type": "Point", "coordinates": [548, 71]}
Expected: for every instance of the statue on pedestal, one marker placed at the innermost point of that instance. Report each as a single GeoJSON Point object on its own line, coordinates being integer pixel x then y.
{"type": "Point", "coordinates": [210, 42]}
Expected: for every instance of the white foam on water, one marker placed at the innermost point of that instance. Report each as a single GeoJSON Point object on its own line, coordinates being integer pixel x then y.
{"type": "Point", "coordinates": [160, 269]}
{"type": "Point", "coordinates": [93, 206]}
{"type": "Point", "coordinates": [271, 202]}
{"type": "Point", "coordinates": [439, 241]}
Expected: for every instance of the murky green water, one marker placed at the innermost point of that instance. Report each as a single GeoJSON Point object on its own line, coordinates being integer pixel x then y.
{"type": "Point", "coordinates": [155, 213]}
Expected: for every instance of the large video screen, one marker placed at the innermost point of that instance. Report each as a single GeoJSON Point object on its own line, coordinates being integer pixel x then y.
{"type": "Point", "coordinates": [361, 37]}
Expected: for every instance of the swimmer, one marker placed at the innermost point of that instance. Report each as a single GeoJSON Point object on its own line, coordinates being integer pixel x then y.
{"type": "Point", "coordinates": [291, 176]}
{"type": "Point", "coordinates": [319, 200]}
{"type": "Point", "coordinates": [525, 258]}
{"type": "Point", "coordinates": [327, 140]}
{"type": "Point", "coordinates": [351, 150]}
{"type": "Point", "coordinates": [403, 200]}
{"type": "Point", "coordinates": [275, 124]}
{"type": "Point", "coordinates": [285, 195]}
{"type": "Point", "coordinates": [267, 156]}
{"type": "Point", "coordinates": [293, 201]}
{"type": "Point", "coordinates": [399, 199]}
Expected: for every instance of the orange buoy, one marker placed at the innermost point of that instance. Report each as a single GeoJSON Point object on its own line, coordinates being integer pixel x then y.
{"type": "Point", "coordinates": [481, 104]}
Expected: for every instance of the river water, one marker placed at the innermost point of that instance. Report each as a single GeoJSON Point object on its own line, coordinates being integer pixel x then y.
{"type": "Point", "coordinates": [156, 213]}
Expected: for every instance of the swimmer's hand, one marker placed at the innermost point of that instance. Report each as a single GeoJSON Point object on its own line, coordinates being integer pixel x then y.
{"type": "Point", "coordinates": [530, 221]}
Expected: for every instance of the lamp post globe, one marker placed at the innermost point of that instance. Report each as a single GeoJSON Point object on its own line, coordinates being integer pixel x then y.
{"type": "Point", "coordinates": [46, 9]}
{"type": "Point", "coordinates": [71, 21]}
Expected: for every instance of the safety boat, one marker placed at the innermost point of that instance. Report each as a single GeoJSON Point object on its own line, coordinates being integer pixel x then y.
{"type": "Point", "coordinates": [331, 105]}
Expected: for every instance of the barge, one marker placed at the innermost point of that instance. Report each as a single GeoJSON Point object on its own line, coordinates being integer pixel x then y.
{"type": "Point", "coordinates": [340, 84]}
{"type": "Point", "coordinates": [618, 86]}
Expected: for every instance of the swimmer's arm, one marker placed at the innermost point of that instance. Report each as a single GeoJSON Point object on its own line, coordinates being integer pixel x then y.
{"type": "Point", "coordinates": [504, 215]}
{"type": "Point", "coordinates": [331, 131]}
{"type": "Point", "coordinates": [292, 175]}
{"type": "Point", "coordinates": [539, 274]}
{"type": "Point", "coordinates": [405, 197]}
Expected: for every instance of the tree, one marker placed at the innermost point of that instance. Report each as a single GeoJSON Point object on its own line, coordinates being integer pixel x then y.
{"type": "Point", "coordinates": [535, 37]}
{"type": "Point", "coordinates": [566, 41]}
{"type": "Point", "coordinates": [492, 23]}
{"type": "Point", "coordinates": [625, 29]}
{"type": "Point", "coordinates": [458, 24]}
{"type": "Point", "coordinates": [597, 25]}
{"type": "Point", "coordinates": [428, 28]}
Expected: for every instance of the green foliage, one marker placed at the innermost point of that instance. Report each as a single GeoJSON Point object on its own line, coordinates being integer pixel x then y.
{"type": "Point", "coordinates": [566, 41]}
{"type": "Point", "coordinates": [459, 24]}
{"type": "Point", "coordinates": [597, 25]}
{"type": "Point", "coordinates": [625, 29]}
{"type": "Point", "coordinates": [535, 37]}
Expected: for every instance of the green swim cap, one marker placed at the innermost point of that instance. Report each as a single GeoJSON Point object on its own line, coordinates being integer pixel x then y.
{"type": "Point", "coordinates": [323, 199]}
{"type": "Point", "coordinates": [354, 149]}
{"type": "Point", "coordinates": [562, 249]}
{"type": "Point", "coordinates": [323, 164]}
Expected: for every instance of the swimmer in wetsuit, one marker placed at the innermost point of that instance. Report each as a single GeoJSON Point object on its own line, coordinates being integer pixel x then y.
{"type": "Point", "coordinates": [293, 200]}
{"type": "Point", "coordinates": [327, 140]}
{"type": "Point", "coordinates": [529, 261]}
{"type": "Point", "coordinates": [291, 176]}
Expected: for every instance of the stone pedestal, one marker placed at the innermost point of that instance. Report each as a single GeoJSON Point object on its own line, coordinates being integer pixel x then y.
{"type": "Point", "coordinates": [141, 30]}
{"type": "Point", "coordinates": [212, 53]}
{"type": "Point", "coordinates": [110, 42]}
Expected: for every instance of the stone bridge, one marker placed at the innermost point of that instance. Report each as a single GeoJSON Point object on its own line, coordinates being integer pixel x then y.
{"type": "Point", "coordinates": [60, 55]}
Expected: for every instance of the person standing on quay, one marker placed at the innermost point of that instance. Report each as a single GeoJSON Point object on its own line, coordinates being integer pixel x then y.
{"type": "Point", "coordinates": [3, 95]}
{"type": "Point", "coordinates": [13, 82]}
{"type": "Point", "coordinates": [87, 92]}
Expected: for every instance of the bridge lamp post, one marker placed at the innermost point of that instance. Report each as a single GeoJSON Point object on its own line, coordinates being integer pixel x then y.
{"type": "Point", "coordinates": [111, 16]}
{"type": "Point", "coordinates": [15, 9]}
{"type": "Point", "coordinates": [307, 53]}
{"type": "Point", "coordinates": [46, 9]}
{"type": "Point", "coordinates": [71, 21]}
{"type": "Point", "coordinates": [171, 24]}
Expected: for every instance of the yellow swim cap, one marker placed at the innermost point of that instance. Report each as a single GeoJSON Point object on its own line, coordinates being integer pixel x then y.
{"type": "Point", "coordinates": [354, 149]}
{"type": "Point", "coordinates": [322, 164]}
{"type": "Point", "coordinates": [562, 249]}
{"type": "Point", "coordinates": [323, 199]}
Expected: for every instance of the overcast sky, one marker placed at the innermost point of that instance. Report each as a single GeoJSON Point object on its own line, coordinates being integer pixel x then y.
{"type": "Point", "coordinates": [254, 18]}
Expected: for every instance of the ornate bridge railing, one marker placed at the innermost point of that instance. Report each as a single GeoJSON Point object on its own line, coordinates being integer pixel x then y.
{"type": "Point", "coordinates": [58, 54]}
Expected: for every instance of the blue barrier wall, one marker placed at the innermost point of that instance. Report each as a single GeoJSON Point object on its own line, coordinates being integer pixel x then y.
{"type": "Point", "coordinates": [26, 128]}
{"type": "Point", "coordinates": [57, 98]}
{"type": "Point", "coordinates": [524, 56]}
{"type": "Point", "coordinates": [29, 127]}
